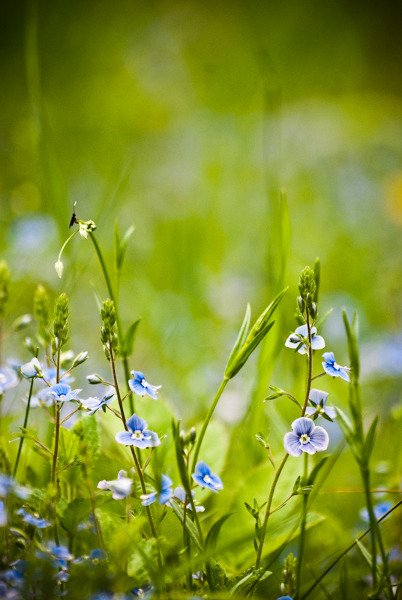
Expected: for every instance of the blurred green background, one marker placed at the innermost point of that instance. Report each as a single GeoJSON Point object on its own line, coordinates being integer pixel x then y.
{"type": "Point", "coordinates": [188, 119]}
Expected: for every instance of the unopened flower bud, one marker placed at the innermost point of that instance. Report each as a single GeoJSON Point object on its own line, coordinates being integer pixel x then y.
{"type": "Point", "coordinates": [21, 322]}
{"type": "Point", "coordinates": [78, 360]}
{"type": "Point", "coordinates": [94, 379]}
{"type": "Point", "coordinates": [301, 304]}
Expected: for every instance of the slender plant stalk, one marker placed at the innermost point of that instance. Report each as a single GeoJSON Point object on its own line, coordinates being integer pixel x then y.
{"type": "Point", "coordinates": [206, 422]}
{"type": "Point", "coordinates": [120, 331]}
{"type": "Point", "coordinates": [24, 426]}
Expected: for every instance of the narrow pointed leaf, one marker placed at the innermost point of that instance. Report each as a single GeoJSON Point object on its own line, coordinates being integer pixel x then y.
{"type": "Point", "coordinates": [369, 441]}
{"type": "Point", "coordinates": [213, 533]}
{"type": "Point", "coordinates": [191, 528]}
{"type": "Point", "coordinates": [246, 352]}
{"type": "Point", "coordinates": [130, 337]}
{"type": "Point", "coordinates": [316, 470]}
{"type": "Point", "coordinates": [352, 335]}
{"type": "Point", "coordinates": [241, 337]}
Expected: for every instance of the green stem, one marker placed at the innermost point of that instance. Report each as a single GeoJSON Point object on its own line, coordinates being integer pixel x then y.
{"type": "Point", "coordinates": [56, 442]}
{"type": "Point", "coordinates": [206, 422]}
{"type": "Point", "coordinates": [302, 527]}
{"type": "Point", "coordinates": [120, 332]}
{"type": "Point", "coordinates": [268, 510]}
{"type": "Point", "coordinates": [24, 426]}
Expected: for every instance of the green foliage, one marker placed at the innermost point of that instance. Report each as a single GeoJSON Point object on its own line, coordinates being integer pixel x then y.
{"type": "Point", "coordinates": [41, 309]}
{"type": "Point", "coordinates": [4, 283]}
{"type": "Point", "coordinates": [60, 323]}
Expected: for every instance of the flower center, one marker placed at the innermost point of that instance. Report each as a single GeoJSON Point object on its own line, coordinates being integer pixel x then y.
{"type": "Point", "coordinates": [304, 438]}
{"type": "Point", "coordinates": [144, 383]}
{"type": "Point", "coordinates": [137, 435]}
{"type": "Point", "coordinates": [336, 366]}
{"type": "Point", "coordinates": [2, 378]}
{"type": "Point", "coordinates": [207, 479]}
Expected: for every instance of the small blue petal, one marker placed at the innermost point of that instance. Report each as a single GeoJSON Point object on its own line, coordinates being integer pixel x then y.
{"type": "Point", "coordinates": [317, 342]}
{"type": "Point", "coordinates": [124, 437]}
{"type": "Point", "coordinates": [148, 499]}
{"type": "Point", "coordinates": [330, 370]}
{"type": "Point", "coordinates": [135, 423]}
{"type": "Point", "coordinates": [302, 426]}
{"type": "Point", "coordinates": [319, 438]}
{"type": "Point", "coordinates": [329, 357]}
{"type": "Point", "coordinates": [292, 444]}
{"type": "Point", "coordinates": [165, 496]}
{"type": "Point", "coordinates": [317, 395]}
{"type": "Point", "coordinates": [344, 375]}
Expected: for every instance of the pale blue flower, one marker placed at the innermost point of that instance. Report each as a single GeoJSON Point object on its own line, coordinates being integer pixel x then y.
{"type": "Point", "coordinates": [32, 520]}
{"type": "Point", "coordinates": [3, 514]}
{"type": "Point", "coordinates": [379, 511]}
{"type": "Point", "coordinates": [8, 379]}
{"type": "Point", "coordinates": [332, 368]}
{"type": "Point", "coordinates": [318, 401]}
{"type": "Point", "coordinates": [305, 437]}
{"type": "Point", "coordinates": [204, 477]}
{"type": "Point", "coordinates": [300, 337]}
{"type": "Point", "coordinates": [9, 486]}
{"type": "Point", "coordinates": [140, 386]}
{"type": "Point", "coordinates": [32, 369]}
{"type": "Point", "coordinates": [62, 392]}
{"type": "Point", "coordinates": [94, 404]}
{"type": "Point", "coordinates": [138, 434]}
{"type": "Point", "coordinates": [121, 487]}
{"type": "Point", "coordinates": [180, 495]}
{"type": "Point", "coordinates": [163, 496]}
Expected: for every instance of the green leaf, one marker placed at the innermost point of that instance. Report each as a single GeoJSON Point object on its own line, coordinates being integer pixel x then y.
{"type": "Point", "coordinates": [316, 470]}
{"type": "Point", "coordinates": [350, 435]}
{"type": "Point", "coordinates": [352, 335]}
{"type": "Point", "coordinates": [76, 512]}
{"type": "Point", "coordinates": [120, 246]}
{"type": "Point", "coordinates": [244, 585]}
{"type": "Point", "coordinates": [322, 320]}
{"type": "Point", "coordinates": [191, 528]}
{"type": "Point", "coordinates": [128, 343]}
{"type": "Point", "coordinates": [213, 533]}
{"type": "Point", "coordinates": [368, 444]}
{"type": "Point", "coordinates": [240, 338]}
{"type": "Point", "coordinates": [317, 277]}
{"type": "Point", "coordinates": [246, 352]}
{"type": "Point", "coordinates": [185, 480]}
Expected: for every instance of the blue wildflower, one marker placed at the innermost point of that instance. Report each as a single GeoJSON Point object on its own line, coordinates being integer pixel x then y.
{"type": "Point", "coordinates": [285, 598]}
{"type": "Point", "coordinates": [8, 379]}
{"type": "Point", "coordinates": [9, 485]}
{"type": "Point", "coordinates": [180, 495]}
{"type": "Point", "coordinates": [3, 514]}
{"type": "Point", "coordinates": [305, 437]}
{"type": "Point", "coordinates": [138, 434]}
{"type": "Point", "coordinates": [145, 591]}
{"type": "Point", "coordinates": [94, 404]}
{"type": "Point", "coordinates": [62, 392]}
{"type": "Point", "coordinates": [332, 368]}
{"type": "Point", "coordinates": [379, 511]}
{"type": "Point", "coordinates": [300, 338]}
{"type": "Point", "coordinates": [163, 496]}
{"type": "Point", "coordinates": [204, 478]}
{"type": "Point", "coordinates": [32, 369]}
{"type": "Point", "coordinates": [140, 386]}
{"type": "Point", "coordinates": [318, 401]}
{"type": "Point", "coordinates": [32, 520]}
{"type": "Point", "coordinates": [121, 487]}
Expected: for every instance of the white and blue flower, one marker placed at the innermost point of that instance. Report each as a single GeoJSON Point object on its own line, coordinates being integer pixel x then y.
{"type": "Point", "coordinates": [205, 478]}
{"type": "Point", "coordinates": [332, 368]}
{"type": "Point", "coordinates": [29, 518]}
{"type": "Point", "coordinates": [62, 392]}
{"type": "Point", "coordinates": [163, 496]}
{"type": "Point", "coordinates": [138, 434]}
{"type": "Point", "coordinates": [32, 369]}
{"type": "Point", "coordinates": [180, 495]}
{"type": "Point", "coordinates": [305, 437]}
{"type": "Point", "coordinates": [121, 487]}
{"type": "Point", "coordinates": [298, 340]}
{"type": "Point", "coordinates": [318, 401]}
{"type": "Point", "coordinates": [8, 379]}
{"type": "Point", "coordinates": [94, 404]}
{"type": "Point", "coordinates": [140, 386]}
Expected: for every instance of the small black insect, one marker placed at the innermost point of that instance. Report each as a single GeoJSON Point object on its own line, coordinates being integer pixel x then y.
{"type": "Point", "coordinates": [74, 217]}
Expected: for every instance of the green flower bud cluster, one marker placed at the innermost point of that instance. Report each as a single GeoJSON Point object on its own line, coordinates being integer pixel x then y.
{"type": "Point", "coordinates": [60, 325]}
{"type": "Point", "coordinates": [4, 281]}
{"type": "Point", "coordinates": [42, 312]}
{"type": "Point", "coordinates": [308, 292]}
{"type": "Point", "coordinates": [289, 578]}
{"type": "Point", "coordinates": [188, 438]}
{"type": "Point", "coordinates": [108, 329]}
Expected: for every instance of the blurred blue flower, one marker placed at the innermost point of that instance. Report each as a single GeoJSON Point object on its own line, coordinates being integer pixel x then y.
{"type": "Point", "coordinates": [332, 368]}
{"type": "Point", "coordinates": [138, 434]}
{"type": "Point", "coordinates": [50, 375]}
{"type": "Point", "coordinates": [32, 369]}
{"type": "Point", "coordinates": [94, 404]}
{"type": "Point", "coordinates": [204, 478]}
{"type": "Point", "coordinates": [8, 379]}
{"type": "Point", "coordinates": [305, 437]}
{"type": "Point", "coordinates": [180, 495]}
{"type": "Point", "coordinates": [32, 520]}
{"type": "Point", "coordinates": [285, 598]}
{"type": "Point", "coordinates": [145, 591]}
{"type": "Point", "coordinates": [300, 336]}
{"type": "Point", "coordinates": [62, 392]}
{"type": "Point", "coordinates": [379, 511]}
{"type": "Point", "coordinates": [140, 386]}
{"type": "Point", "coordinates": [9, 485]}
{"type": "Point", "coordinates": [163, 496]}
{"type": "Point", "coordinates": [318, 401]}
{"type": "Point", "coordinates": [121, 487]}
{"type": "Point", "coordinates": [3, 515]}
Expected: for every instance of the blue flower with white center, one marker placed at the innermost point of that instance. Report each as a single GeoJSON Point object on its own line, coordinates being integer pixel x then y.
{"type": "Point", "coordinates": [32, 520]}
{"type": "Point", "coordinates": [379, 511]}
{"type": "Point", "coordinates": [180, 495]}
{"type": "Point", "coordinates": [32, 369]}
{"type": "Point", "coordinates": [163, 496]}
{"type": "Point", "coordinates": [305, 437]}
{"type": "Point", "coordinates": [140, 386]}
{"type": "Point", "coordinates": [138, 434]}
{"type": "Point", "coordinates": [8, 379]}
{"type": "Point", "coordinates": [62, 392]}
{"type": "Point", "coordinates": [121, 487]}
{"type": "Point", "coordinates": [300, 338]}
{"type": "Point", "coordinates": [332, 368]}
{"type": "Point", "coordinates": [204, 478]}
{"type": "Point", "coordinates": [9, 485]}
{"type": "Point", "coordinates": [285, 598]}
{"type": "Point", "coordinates": [318, 401]}
{"type": "Point", "coordinates": [94, 404]}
